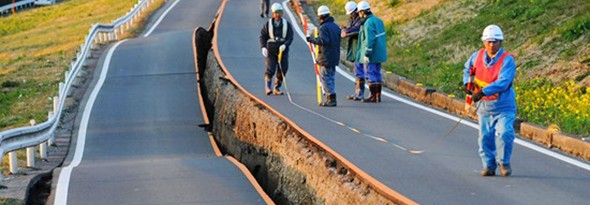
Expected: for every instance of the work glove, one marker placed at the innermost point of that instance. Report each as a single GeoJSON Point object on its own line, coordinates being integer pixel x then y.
{"type": "Point", "coordinates": [308, 39]}
{"type": "Point", "coordinates": [264, 52]}
{"type": "Point", "coordinates": [310, 30]}
{"type": "Point", "coordinates": [366, 60]}
{"type": "Point", "coordinates": [477, 96]}
{"type": "Point", "coordinates": [282, 48]}
{"type": "Point", "coordinates": [466, 90]}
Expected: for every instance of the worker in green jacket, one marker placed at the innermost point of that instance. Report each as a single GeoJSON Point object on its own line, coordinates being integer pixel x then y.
{"type": "Point", "coordinates": [372, 50]}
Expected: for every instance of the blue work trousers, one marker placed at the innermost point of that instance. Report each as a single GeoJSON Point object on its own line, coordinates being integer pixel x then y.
{"type": "Point", "coordinates": [359, 70]}
{"type": "Point", "coordinates": [496, 137]}
{"type": "Point", "coordinates": [373, 73]}
{"type": "Point", "coordinates": [327, 74]}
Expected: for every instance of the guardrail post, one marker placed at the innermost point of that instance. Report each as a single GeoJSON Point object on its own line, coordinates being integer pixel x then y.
{"type": "Point", "coordinates": [12, 162]}
{"type": "Point", "coordinates": [67, 73]}
{"type": "Point", "coordinates": [61, 90]}
{"type": "Point", "coordinates": [50, 114]}
{"type": "Point", "coordinates": [30, 156]}
{"type": "Point", "coordinates": [94, 43]}
{"type": "Point", "coordinates": [43, 150]}
{"type": "Point", "coordinates": [31, 151]}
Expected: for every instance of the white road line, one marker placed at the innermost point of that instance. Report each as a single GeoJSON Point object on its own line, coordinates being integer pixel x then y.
{"type": "Point", "coordinates": [61, 193]}
{"type": "Point", "coordinates": [160, 19]}
{"type": "Point", "coordinates": [529, 145]}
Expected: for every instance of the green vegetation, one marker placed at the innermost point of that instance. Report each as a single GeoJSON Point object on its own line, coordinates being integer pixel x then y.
{"type": "Point", "coordinates": [37, 48]}
{"type": "Point", "coordinates": [549, 39]}
{"type": "Point", "coordinates": [565, 105]}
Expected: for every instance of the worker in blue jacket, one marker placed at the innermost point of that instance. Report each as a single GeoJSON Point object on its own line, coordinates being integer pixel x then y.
{"type": "Point", "coordinates": [328, 54]}
{"type": "Point", "coordinates": [493, 70]}
{"type": "Point", "coordinates": [372, 49]}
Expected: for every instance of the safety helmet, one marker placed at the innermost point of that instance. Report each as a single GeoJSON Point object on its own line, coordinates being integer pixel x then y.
{"type": "Point", "coordinates": [350, 7]}
{"type": "Point", "coordinates": [276, 7]}
{"type": "Point", "coordinates": [323, 10]}
{"type": "Point", "coordinates": [492, 33]}
{"type": "Point", "coordinates": [363, 5]}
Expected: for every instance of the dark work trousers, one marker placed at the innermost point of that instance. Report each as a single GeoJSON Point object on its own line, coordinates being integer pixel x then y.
{"type": "Point", "coordinates": [264, 7]}
{"type": "Point", "coordinates": [272, 66]}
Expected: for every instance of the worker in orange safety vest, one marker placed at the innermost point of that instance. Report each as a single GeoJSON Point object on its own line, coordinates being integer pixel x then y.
{"type": "Point", "coordinates": [494, 70]}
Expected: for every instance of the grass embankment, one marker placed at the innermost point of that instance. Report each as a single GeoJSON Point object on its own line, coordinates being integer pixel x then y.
{"type": "Point", "coordinates": [430, 40]}
{"type": "Point", "coordinates": [38, 46]}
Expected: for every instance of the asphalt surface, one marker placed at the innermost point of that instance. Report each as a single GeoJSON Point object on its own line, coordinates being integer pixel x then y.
{"type": "Point", "coordinates": [143, 144]}
{"type": "Point", "coordinates": [446, 173]}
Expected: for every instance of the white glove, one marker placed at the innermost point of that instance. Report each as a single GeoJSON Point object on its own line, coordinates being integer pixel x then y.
{"type": "Point", "coordinates": [282, 48]}
{"type": "Point", "coordinates": [310, 30]}
{"type": "Point", "coordinates": [264, 52]}
{"type": "Point", "coordinates": [366, 60]}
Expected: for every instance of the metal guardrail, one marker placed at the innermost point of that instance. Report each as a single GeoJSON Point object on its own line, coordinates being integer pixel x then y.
{"type": "Point", "coordinates": [6, 9]}
{"type": "Point", "coordinates": [42, 134]}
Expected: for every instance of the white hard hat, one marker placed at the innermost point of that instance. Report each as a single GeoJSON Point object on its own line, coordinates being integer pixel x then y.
{"type": "Point", "coordinates": [350, 7]}
{"type": "Point", "coordinates": [276, 7]}
{"type": "Point", "coordinates": [492, 33]}
{"type": "Point", "coordinates": [363, 5]}
{"type": "Point", "coordinates": [323, 10]}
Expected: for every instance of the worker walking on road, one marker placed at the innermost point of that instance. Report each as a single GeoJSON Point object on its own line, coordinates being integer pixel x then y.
{"type": "Point", "coordinates": [372, 50]}
{"type": "Point", "coordinates": [352, 33]}
{"type": "Point", "coordinates": [328, 54]}
{"type": "Point", "coordinates": [276, 36]}
{"type": "Point", "coordinates": [264, 8]}
{"type": "Point", "coordinates": [494, 71]}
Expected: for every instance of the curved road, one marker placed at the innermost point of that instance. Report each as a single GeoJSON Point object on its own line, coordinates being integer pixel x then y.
{"type": "Point", "coordinates": [138, 141]}
{"type": "Point", "coordinates": [446, 173]}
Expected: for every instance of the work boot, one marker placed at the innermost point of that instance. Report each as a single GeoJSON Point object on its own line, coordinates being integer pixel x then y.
{"type": "Point", "coordinates": [278, 84]}
{"type": "Point", "coordinates": [276, 91]}
{"type": "Point", "coordinates": [373, 97]}
{"type": "Point", "coordinates": [505, 170]}
{"type": "Point", "coordinates": [330, 101]}
{"type": "Point", "coordinates": [378, 93]}
{"type": "Point", "coordinates": [359, 91]}
{"type": "Point", "coordinates": [488, 172]}
{"type": "Point", "coordinates": [268, 84]}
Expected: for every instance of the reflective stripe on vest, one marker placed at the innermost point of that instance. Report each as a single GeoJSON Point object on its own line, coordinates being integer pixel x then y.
{"type": "Point", "coordinates": [486, 75]}
{"type": "Point", "coordinates": [271, 31]}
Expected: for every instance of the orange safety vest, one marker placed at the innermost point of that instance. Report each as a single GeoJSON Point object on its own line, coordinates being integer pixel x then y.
{"type": "Point", "coordinates": [486, 75]}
